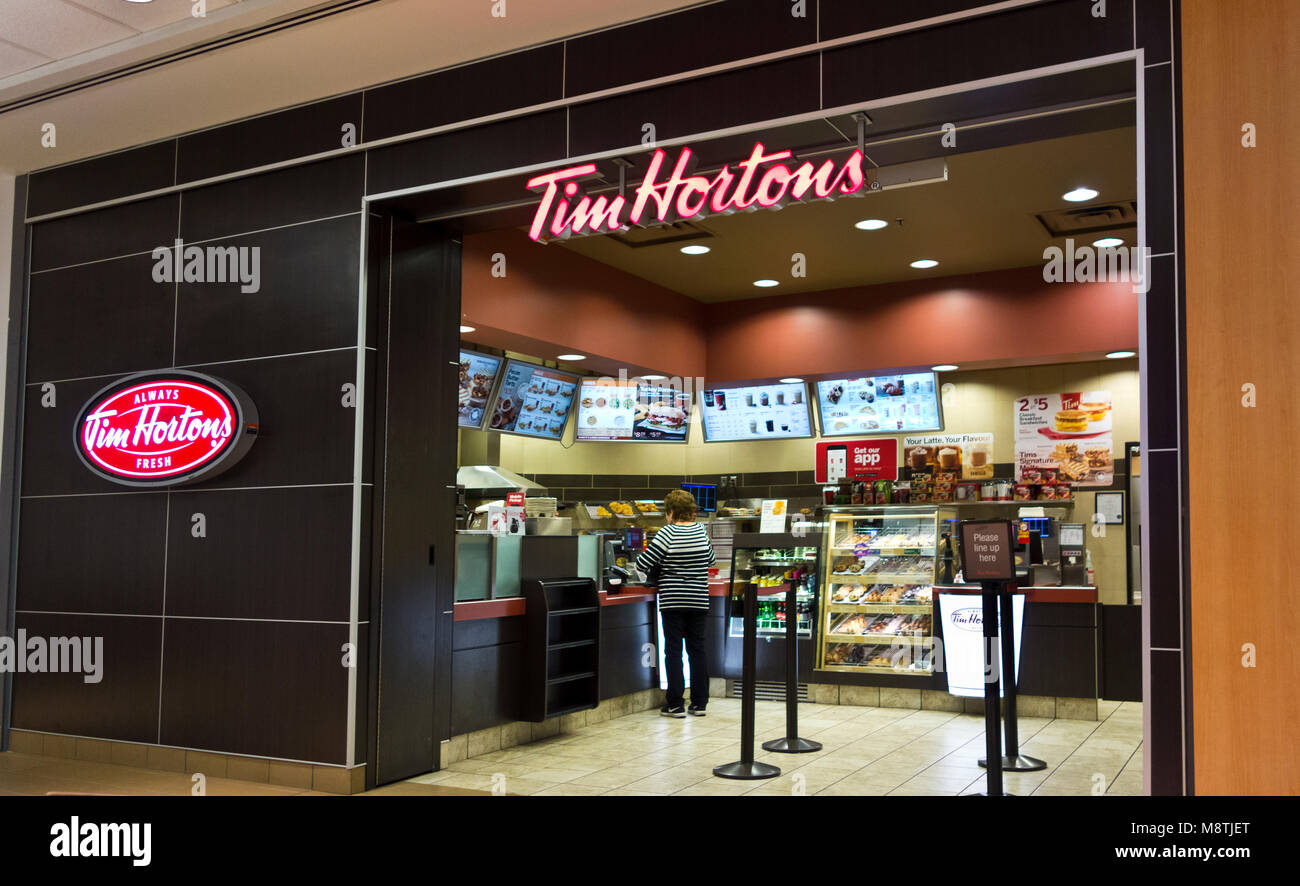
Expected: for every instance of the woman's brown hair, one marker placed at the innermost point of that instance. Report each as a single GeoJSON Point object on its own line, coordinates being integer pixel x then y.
{"type": "Point", "coordinates": [680, 505]}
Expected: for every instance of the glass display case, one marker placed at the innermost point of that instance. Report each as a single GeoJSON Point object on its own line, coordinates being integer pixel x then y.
{"type": "Point", "coordinates": [878, 592]}
{"type": "Point", "coordinates": [776, 572]}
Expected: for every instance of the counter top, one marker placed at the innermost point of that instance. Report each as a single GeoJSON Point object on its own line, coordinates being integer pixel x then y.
{"type": "Point", "coordinates": [473, 610]}
{"type": "Point", "coordinates": [1035, 593]}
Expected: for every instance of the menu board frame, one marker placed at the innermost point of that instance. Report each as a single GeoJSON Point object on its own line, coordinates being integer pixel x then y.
{"type": "Point", "coordinates": [816, 384]}
{"type": "Point", "coordinates": [577, 418]}
{"type": "Point", "coordinates": [736, 386]}
{"type": "Point", "coordinates": [489, 405]}
{"type": "Point", "coordinates": [501, 380]}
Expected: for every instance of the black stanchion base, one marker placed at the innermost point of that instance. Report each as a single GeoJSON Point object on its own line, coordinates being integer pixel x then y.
{"type": "Point", "coordinates": [786, 746]}
{"type": "Point", "coordinates": [982, 794]}
{"type": "Point", "coordinates": [747, 771]}
{"type": "Point", "coordinates": [1020, 763]}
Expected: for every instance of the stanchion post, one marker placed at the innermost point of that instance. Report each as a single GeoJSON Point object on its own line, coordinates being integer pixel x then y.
{"type": "Point", "coordinates": [1012, 760]}
{"type": "Point", "coordinates": [992, 729]}
{"type": "Point", "coordinates": [747, 767]}
{"type": "Point", "coordinates": [791, 743]}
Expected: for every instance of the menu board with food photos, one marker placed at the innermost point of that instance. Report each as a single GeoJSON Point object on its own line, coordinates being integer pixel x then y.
{"type": "Point", "coordinates": [478, 372]}
{"type": "Point", "coordinates": [533, 400]}
{"type": "Point", "coordinates": [612, 409]}
{"type": "Point", "coordinates": [1067, 433]}
{"type": "Point", "coordinates": [756, 412]}
{"type": "Point", "coordinates": [879, 404]}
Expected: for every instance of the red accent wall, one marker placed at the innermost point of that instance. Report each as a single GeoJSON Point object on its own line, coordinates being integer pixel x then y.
{"type": "Point", "coordinates": [553, 301]}
{"type": "Point", "coordinates": [1004, 318]}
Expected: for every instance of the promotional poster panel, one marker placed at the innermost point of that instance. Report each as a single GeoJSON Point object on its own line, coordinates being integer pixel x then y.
{"type": "Point", "coordinates": [609, 409]}
{"type": "Point", "coordinates": [1068, 432]}
{"type": "Point", "coordinates": [880, 404]}
{"type": "Point", "coordinates": [533, 400]}
{"type": "Point", "coordinates": [972, 454]}
{"type": "Point", "coordinates": [478, 372]}
{"type": "Point", "coordinates": [856, 460]}
{"type": "Point", "coordinates": [756, 412]}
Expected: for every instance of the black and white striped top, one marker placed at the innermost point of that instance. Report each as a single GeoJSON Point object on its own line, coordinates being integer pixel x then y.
{"type": "Point", "coordinates": [684, 554]}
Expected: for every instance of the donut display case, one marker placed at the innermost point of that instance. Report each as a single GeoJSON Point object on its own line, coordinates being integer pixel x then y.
{"type": "Point", "coordinates": [878, 592]}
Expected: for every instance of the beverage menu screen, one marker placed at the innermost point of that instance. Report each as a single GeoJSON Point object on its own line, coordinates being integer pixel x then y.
{"type": "Point", "coordinates": [756, 412]}
{"type": "Point", "coordinates": [533, 400]}
{"type": "Point", "coordinates": [609, 409]}
{"type": "Point", "coordinates": [880, 404]}
{"type": "Point", "coordinates": [478, 372]}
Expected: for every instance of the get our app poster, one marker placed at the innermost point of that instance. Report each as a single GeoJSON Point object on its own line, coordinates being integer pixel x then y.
{"type": "Point", "coordinates": [1068, 432]}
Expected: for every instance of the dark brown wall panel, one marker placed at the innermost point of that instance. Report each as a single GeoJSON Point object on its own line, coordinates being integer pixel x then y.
{"type": "Point", "coordinates": [104, 178]}
{"type": "Point", "coordinates": [106, 318]}
{"type": "Point", "coordinates": [123, 706]}
{"type": "Point", "coordinates": [270, 689]}
{"type": "Point", "coordinates": [685, 41]}
{"type": "Point", "coordinates": [1018, 40]}
{"type": "Point", "coordinates": [729, 99]}
{"type": "Point", "coordinates": [307, 300]}
{"type": "Point", "coordinates": [517, 80]}
{"type": "Point", "coordinates": [271, 138]}
{"type": "Point", "coordinates": [100, 553]}
{"type": "Point", "coordinates": [485, 685]}
{"type": "Point", "coordinates": [267, 553]}
{"type": "Point", "coordinates": [284, 197]}
{"type": "Point", "coordinates": [105, 233]}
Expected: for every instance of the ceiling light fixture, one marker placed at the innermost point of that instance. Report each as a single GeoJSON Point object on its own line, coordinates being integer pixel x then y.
{"type": "Point", "coordinates": [1108, 242]}
{"type": "Point", "coordinates": [792, 381]}
{"type": "Point", "coordinates": [871, 224]}
{"type": "Point", "coordinates": [1120, 355]}
{"type": "Point", "coordinates": [923, 263]}
{"type": "Point", "coordinates": [944, 367]}
{"type": "Point", "coordinates": [464, 329]}
{"type": "Point", "coordinates": [1079, 195]}
{"type": "Point", "coordinates": [765, 284]}
{"type": "Point", "coordinates": [571, 358]}
{"type": "Point", "coordinates": [695, 249]}
{"type": "Point", "coordinates": [653, 377]}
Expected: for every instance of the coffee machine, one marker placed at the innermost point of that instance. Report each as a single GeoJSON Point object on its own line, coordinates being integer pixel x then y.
{"type": "Point", "coordinates": [1074, 555]}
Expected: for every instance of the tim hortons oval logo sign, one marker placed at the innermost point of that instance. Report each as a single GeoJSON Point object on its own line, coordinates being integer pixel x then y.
{"type": "Point", "coordinates": [165, 428]}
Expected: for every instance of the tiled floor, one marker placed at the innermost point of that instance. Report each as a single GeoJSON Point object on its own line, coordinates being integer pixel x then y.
{"type": "Point", "coordinates": [866, 751]}
{"type": "Point", "coordinates": [30, 774]}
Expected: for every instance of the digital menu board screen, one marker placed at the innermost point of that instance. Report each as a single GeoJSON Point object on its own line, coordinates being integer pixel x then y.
{"type": "Point", "coordinates": [478, 373]}
{"type": "Point", "coordinates": [879, 404]}
{"type": "Point", "coordinates": [773, 411]}
{"type": "Point", "coordinates": [533, 400]}
{"type": "Point", "coordinates": [613, 409]}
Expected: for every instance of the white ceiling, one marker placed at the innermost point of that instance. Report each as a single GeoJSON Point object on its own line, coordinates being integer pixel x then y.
{"type": "Point", "coordinates": [46, 44]}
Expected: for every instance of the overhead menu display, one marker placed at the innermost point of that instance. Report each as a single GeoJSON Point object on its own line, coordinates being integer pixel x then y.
{"type": "Point", "coordinates": [533, 400]}
{"type": "Point", "coordinates": [881, 404]}
{"type": "Point", "coordinates": [478, 372]}
{"type": "Point", "coordinates": [756, 412]}
{"type": "Point", "coordinates": [609, 409]}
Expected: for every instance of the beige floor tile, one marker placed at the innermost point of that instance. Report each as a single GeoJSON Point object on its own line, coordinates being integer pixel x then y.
{"type": "Point", "coordinates": [570, 790]}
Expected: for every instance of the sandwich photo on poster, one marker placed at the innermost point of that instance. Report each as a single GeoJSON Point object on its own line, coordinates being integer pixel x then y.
{"type": "Point", "coordinates": [609, 409]}
{"type": "Point", "coordinates": [1069, 433]}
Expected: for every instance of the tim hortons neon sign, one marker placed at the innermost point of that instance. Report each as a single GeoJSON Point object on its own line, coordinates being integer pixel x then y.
{"type": "Point", "coordinates": [760, 181]}
{"type": "Point", "coordinates": [165, 428]}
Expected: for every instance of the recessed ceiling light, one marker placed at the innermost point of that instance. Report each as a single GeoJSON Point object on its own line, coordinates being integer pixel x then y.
{"type": "Point", "coordinates": [139, 1]}
{"type": "Point", "coordinates": [1108, 242]}
{"type": "Point", "coordinates": [1078, 195]}
{"type": "Point", "coordinates": [571, 358]}
{"type": "Point", "coordinates": [944, 367]}
{"type": "Point", "coordinates": [653, 377]}
{"type": "Point", "coordinates": [465, 329]}
{"type": "Point", "coordinates": [871, 224]}
{"type": "Point", "coordinates": [695, 249]}
{"type": "Point", "coordinates": [923, 263]}
{"type": "Point", "coordinates": [791, 381]}
{"type": "Point", "coordinates": [765, 283]}
{"type": "Point", "coordinates": [1120, 355]}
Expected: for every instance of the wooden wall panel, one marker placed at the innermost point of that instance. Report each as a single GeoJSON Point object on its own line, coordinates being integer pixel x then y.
{"type": "Point", "coordinates": [1242, 65]}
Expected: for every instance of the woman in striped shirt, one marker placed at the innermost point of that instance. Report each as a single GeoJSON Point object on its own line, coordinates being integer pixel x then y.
{"type": "Point", "coordinates": [682, 554]}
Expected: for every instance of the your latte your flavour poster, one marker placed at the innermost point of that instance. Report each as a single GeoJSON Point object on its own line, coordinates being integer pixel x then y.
{"type": "Point", "coordinates": [1069, 433]}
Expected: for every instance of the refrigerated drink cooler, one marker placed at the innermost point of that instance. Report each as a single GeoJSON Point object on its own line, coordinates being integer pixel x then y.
{"type": "Point", "coordinates": [784, 571]}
